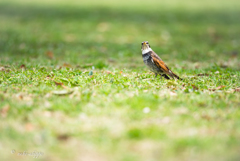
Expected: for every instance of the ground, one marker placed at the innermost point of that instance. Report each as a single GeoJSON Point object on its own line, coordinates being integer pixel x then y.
{"type": "Point", "coordinates": [73, 85]}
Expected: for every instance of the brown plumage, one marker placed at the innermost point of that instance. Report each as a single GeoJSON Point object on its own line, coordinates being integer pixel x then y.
{"type": "Point", "coordinates": [155, 63]}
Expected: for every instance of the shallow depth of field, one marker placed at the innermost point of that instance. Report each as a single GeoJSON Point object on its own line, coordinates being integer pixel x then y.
{"type": "Point", "coordinates": [73, 85]}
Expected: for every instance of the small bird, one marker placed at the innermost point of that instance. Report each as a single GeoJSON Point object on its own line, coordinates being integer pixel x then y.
{"type": "Point", "coordinates": [155, 63]}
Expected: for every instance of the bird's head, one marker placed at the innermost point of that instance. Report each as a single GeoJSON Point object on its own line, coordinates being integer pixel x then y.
{"type": "Point", "coordinates": [145, 47]}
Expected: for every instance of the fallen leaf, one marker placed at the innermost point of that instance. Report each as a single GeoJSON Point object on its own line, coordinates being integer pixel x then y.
{"type": "Point", "coordinates": [58, 83]}
{"type": "Point", "coordinates": [194, 87]}
{"type": "Point", "coordinates": [203, 74]}
{"type": "Point", "coordinates": [210, 89]}
{"type": "Point", "coordinates": [19, 96]}
{"type": "Point", "coordinates": [63, 137]}
{"type": "Point", "coordinates": [22, 66]}
{"type": "Point", "coordinates": [67, 65]}
{"type": "Point", "coordinates": [58, 67]}
{"type": "Point", "coordinates": [4, 110]}
{"type": "Point", "coordinates": [218, 88]}
{"type": "Point", "coordinates": [108, 72]}
{"type": "Point", "coordinates": [49, 76]}
{"type": "Point", "coordinates": [50, 54]}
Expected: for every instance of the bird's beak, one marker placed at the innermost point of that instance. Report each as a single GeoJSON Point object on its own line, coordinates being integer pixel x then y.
{"type": "Point", "coordinates": [144, 46]}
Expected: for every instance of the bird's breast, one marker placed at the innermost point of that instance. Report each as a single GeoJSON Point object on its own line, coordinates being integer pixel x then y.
{"type": "Point", "coordinates": [147, 59]}
{"type": "Point", "coordinates": [146, 56]}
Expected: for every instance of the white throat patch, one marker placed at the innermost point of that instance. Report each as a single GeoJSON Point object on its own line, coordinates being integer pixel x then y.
{"type": "Point", "coordinates": [146, 50]}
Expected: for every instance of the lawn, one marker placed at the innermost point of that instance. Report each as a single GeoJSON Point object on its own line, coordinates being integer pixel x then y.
{"type": "Point", "coordinates": [73, 85]}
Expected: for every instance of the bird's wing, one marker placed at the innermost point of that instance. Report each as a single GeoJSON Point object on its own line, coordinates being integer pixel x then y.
{"type": "Point", "coordinates": [161, 65]}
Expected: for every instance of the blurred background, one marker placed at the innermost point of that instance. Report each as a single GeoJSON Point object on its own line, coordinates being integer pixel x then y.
{"type": "Point", "coordinates": [41, 36]}
{"type": "Point", "coordinates": [109, 33]}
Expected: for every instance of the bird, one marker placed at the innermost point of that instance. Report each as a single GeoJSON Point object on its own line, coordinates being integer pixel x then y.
{"type": "Point", "coordinates": [155, 63]}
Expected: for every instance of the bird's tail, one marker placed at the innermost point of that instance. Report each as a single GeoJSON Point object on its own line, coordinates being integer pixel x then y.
{"type": "Point", "coordinates": [173, 75]}
{"type": "Point", "coordinates": [176, 76]}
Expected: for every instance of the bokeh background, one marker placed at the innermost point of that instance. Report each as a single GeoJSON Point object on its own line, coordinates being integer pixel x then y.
{"type": "Point", "coordinates": [103, 32]}
{"type": "Point", "coordinates": [136, 117]}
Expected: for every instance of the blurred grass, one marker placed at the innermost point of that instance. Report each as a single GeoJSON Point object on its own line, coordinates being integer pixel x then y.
{"type": "Point", "coordinates": [49, 47]}
{"type": "Point", "coordinates": [104, 32]}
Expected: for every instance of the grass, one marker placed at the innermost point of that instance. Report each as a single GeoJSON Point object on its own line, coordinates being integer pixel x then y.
{"type": "Point", "coordinates": [73, 85]}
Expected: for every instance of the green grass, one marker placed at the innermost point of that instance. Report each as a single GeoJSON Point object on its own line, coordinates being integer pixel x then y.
{"type": "Point", "coordinates": [73, 85]}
